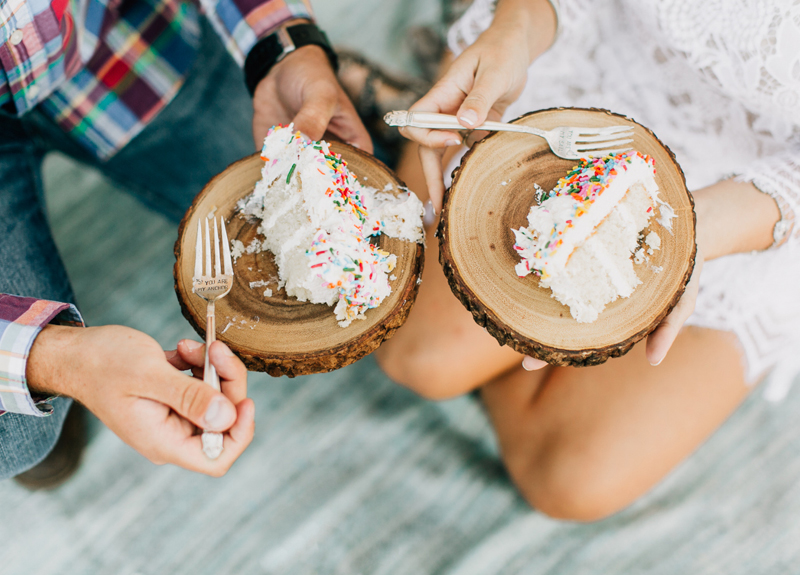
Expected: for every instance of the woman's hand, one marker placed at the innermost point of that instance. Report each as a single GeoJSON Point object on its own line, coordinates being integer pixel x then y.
{"type": "Point", "coordinates": [481, 83]}
{"type": "Point", "coordinates": [135, 388]}
{"type": "Point", "coordinates": [661, 339]}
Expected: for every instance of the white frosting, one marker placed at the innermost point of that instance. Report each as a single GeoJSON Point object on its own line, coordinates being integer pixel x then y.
{"type": "Point", "coordinates": [542, 219]}
{"type": "Point", "coordinates": [580, 239]}
{"type": "Point", "coordinates": [316, 219]}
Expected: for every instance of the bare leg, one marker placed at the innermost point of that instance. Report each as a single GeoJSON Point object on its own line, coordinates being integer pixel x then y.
{"type": "Point", "coordinates": [579, 443]}
{"type": "Point", "coordinates": [582, 443]}
{"type": "Point", "coordinates": [440, 351]}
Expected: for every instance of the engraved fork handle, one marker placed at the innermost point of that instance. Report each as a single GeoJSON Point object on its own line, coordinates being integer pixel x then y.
{"type": "Point", "coordinates": [212, 440]}
{"type": "Point", "coordinates": [436, 121]}
{"type": "Point", "coordinates": [210, 372]}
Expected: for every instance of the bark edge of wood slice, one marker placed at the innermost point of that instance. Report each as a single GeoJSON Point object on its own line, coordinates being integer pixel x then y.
{"type": "Point", "coordinates": [476, 245]}
{"type": "Point", "coordinates": [276, 333]}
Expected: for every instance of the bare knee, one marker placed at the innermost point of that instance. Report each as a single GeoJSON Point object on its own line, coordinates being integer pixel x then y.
{"type": "Point", "coordinates": [569, 486]}
{"type": "Point", "coordinates": [420, 371]}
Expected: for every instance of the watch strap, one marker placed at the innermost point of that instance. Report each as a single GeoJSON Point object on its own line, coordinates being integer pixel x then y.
{"type": "Point", "coordinates": [273, 48]}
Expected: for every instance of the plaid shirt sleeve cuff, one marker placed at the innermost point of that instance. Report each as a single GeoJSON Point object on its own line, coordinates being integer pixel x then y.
{"type": "Point", "coordinates": [242, 23]}
{"type": "Point", "coordinates": [21, 320]}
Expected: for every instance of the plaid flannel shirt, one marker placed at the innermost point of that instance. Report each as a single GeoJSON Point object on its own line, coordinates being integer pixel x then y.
{"type": "Point", "coordinates": [21, 320]}
{"type": "Point", "coordinates": [102, 69]}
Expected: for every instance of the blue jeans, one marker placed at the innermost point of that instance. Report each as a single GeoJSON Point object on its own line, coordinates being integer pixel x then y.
{"type": "Point", "coordinates": [204, 129]}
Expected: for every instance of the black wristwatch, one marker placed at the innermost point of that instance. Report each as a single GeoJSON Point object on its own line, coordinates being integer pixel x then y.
{"type": "Point", "coordinates": [270, 50]}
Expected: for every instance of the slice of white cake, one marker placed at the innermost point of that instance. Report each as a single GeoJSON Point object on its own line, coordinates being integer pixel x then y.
{"type": "Point", "coordinates": [316, 219]}
{"type": "Point", "coordinates": [581, 238]}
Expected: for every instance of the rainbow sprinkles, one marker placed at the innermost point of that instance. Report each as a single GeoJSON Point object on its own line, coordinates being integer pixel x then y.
{"type": "Point", "coordinates": [581, 238]}
{"type": "Point", "coordinates": [316, 218]}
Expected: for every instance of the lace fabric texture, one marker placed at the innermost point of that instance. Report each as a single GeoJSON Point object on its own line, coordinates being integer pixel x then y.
{"type": "Point", "coordinates": [719, 82]}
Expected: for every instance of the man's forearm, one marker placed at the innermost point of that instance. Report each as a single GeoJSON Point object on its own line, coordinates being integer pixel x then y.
{"type": "Point", "coordinates": [52, 356]}
{"type": "Point", "coordinates": [22, 320]}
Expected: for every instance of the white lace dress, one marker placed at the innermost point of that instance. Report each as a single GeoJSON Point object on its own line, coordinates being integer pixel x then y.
{"type": "Point", "coordinates": [718, 81]}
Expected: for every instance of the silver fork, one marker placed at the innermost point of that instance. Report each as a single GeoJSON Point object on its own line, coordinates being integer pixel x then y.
{"type": "Point", "coordinates": [568, 142]}
{"type": "Point", "coordinates": [212, 288]}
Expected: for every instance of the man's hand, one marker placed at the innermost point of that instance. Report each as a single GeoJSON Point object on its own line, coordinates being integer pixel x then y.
{"type": "Point", "coordinates": [135, 388]}
{"type": "Point", "coordinates": [302, 88]}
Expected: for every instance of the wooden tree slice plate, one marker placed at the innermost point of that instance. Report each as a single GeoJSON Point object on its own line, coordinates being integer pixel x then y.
{"type": "Point", "coordinates": [492, 192]}
{"type": "Point", "coordinates": [279, 334]}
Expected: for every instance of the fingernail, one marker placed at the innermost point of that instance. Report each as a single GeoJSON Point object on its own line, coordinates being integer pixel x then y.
{"type": "Point", "coordinates": [527, 364]}
{"type": "Point", "coordinates": [470, 117]}
{"type": "Point", "coordinates": [192, 345]}
{"type": "Point", "coordinates": [452, 143]}
{"type": "Point", "coordinates": [430, 214]}
{"type": "Point", "coordinates": [354, 144]}
{"type": "Point", "coordinates": [657, 363]}
{"type": "Point", "coordinates": [219, 414]}
{"type": "Point", "coordinates": [227, 351]}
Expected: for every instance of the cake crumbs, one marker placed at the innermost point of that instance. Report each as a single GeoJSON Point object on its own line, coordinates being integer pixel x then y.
{"type": "Point", "coordinates": [665, 215]}
{"type": "Point", "coordinates": [539, 193]}
{"type": "Point", "coordinates": [653, 241]}
{"type": "Point", "coordinates": [237, 250]}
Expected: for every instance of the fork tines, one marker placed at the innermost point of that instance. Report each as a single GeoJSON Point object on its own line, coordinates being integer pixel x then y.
{"type": "Point", "coordinates": [604, 131]}
{"type": "Point", "coordinates": [596, 142]}
{"type": "Point", "coordinates": [223, 266]}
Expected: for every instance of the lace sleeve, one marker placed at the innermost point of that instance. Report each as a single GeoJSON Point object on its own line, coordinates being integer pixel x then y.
{"type": "Point", "coordinates": [779, 177]}
{"type": "Point", "coordinates": [480, 14]}
{"type": "Point", "coordinates": [472, 24]}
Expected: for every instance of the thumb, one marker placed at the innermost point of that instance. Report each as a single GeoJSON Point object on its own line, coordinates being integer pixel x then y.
{"type": "Point", "coordinates": [231, 370]}
{"type": "Point", "coordinates": [317, 110]}
{"type": "Point", "coordinates": [200, 403]}
{"type": "Point", "coordinates": [488, 88]}
{"type": "Point", "coordinates": [660, 341]}
{"type": "Point", "coordinates": [431, 160]}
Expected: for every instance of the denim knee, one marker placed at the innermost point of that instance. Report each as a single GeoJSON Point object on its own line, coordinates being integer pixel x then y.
{"type": "Point", "coordinates": [26, 440]}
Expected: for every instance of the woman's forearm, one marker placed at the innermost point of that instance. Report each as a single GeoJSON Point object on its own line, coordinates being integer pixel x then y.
{"type": "Point", "coordinates": [535, 20]}
{"type": "Point", "coordinates": [734, 217]}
